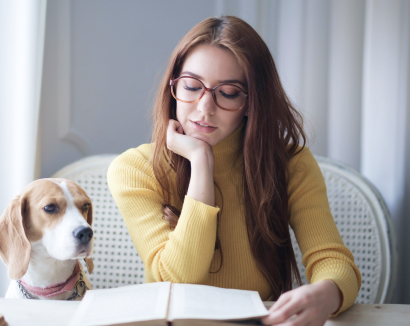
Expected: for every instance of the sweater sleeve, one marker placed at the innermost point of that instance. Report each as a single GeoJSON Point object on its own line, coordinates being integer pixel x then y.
{"type": "Point", "coordinates": [324, 254]}
{"type": "Point", "coordinates": [180, 256]}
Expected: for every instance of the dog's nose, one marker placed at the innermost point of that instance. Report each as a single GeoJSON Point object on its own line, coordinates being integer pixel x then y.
{"type": "Point", "coordinates": [83, 233]}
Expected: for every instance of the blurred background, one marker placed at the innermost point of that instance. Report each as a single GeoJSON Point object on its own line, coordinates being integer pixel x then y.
{"type": "Point", "coordinates": [79, 77]}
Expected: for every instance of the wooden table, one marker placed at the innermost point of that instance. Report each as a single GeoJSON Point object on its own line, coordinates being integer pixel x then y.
{"type": "Point", "coordinates": [22, 312]}
{"type": "Point", "coordinates": [369, 315]}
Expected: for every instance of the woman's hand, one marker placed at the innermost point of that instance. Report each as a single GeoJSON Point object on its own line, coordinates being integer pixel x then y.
{"type": "Point", "coordinates": [309, 305]}
{"type": "Point", "coordinates": [199, 153]}
{"type": "Point", "coordinates": [189, 147]}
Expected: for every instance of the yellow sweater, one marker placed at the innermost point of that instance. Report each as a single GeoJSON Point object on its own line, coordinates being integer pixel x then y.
{"type": "Point", "coordinates": [187, 255]}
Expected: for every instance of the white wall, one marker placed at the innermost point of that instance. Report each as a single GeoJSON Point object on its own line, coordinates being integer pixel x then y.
{"type": "Point", "coordinates": [102, 61]}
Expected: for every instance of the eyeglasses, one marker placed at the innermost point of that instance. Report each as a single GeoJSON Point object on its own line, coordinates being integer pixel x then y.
{"type": "Point", "coordinates": [226, 96]}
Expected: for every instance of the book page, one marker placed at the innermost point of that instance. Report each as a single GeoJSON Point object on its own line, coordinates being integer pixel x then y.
{"type": "Point", "coordinates": [126, 304]}
{"type": "Point", "coordinates": [191, 301]}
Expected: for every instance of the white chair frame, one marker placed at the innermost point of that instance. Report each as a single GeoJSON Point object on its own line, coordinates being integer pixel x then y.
{"type": "Point", "coordinates": [117, 262]}
{"type": "Point", "coordinates": [379, 287]}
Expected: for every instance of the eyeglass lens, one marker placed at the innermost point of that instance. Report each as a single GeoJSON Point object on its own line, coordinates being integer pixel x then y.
{"type": "Point", "coordinates": [227, 96]}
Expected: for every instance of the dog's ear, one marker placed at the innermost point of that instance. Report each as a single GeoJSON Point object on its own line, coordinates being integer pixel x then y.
{"type": "Point", "coordinates": [90, 264]}
{"type": "Point", "coordinates": [90, 214]}
{"type": "Point", "coordinates": [15, 248]}
{"type": "Point", "coordinates": [89, 261]}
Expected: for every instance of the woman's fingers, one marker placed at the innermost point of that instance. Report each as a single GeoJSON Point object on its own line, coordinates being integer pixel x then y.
{"type": "Point", "coordinates": [173, 126]}
{"type": "Point", "coordinates": [180, 130]}
{"type": "Point", "coordinates": [174, 132]}
{"type": "Point", "coordinates": [283, 299]}
{"type": "Point", "coordinates": [306, 305]}
{"type": "Point", "coordinates": [283, 313]}
{"type": "Point", "coordinates": [185, 145]}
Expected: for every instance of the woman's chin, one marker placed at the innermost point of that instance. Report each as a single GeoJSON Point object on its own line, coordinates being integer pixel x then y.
{"type": "Point", "coordinates": [204, 138]}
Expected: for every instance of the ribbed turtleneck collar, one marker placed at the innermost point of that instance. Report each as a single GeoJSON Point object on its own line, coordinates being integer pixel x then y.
{"type": "Point", "coordinates": [228, 150]}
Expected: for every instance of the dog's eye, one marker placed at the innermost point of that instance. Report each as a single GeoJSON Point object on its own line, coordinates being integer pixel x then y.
{"type": "Point", "coordinates": [86, 207]}
{"type": "Point", "coordinates": [51, 208]}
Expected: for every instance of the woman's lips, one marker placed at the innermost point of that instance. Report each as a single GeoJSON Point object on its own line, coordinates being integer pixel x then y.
{"type": "Point", "coordinates": [200, 128]}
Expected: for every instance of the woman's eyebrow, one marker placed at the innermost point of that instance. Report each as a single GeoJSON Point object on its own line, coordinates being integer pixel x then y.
{"type": "Point", "coordinates": [191, 74]}
{"type": "Point", "coordinates": [232, 81]}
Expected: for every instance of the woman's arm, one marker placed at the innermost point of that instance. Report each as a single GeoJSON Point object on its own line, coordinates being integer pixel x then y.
{"type": "Point", "coordinates": [182, 255]}
{"type": "Point", "coordinates": [330, 268]}
{"type": "Point", "coordinates": [199, 153]}
{"type": "Point", "coordinates": [324, 254]}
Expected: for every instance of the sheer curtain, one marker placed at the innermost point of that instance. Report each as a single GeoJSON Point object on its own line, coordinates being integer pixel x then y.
{"type": "Point", "coordinates": [22, 26]}
{"type": "Point", "coordinates": [346, 66]}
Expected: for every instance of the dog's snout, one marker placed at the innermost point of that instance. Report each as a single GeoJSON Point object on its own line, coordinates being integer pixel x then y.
{"type": "Point", "coordinates": [84, 234]}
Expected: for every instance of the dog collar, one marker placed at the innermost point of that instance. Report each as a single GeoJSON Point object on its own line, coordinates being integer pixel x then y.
{"type": "Point", "coordinates": [56, 289]}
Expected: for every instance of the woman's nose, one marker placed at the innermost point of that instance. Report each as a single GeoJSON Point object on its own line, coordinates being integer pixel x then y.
{"type": "Point", "coordinates": [206, 104]}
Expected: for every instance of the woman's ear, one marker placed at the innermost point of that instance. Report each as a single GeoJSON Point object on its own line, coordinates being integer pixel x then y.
{"type": "Point", "coordinates": [15, 248]}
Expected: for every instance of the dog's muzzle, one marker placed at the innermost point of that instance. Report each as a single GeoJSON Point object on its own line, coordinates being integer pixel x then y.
{"type": "Point", "coordinates": [84, 234]}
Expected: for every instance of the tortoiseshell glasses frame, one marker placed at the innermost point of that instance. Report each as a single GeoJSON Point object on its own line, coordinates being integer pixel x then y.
{"type": "Point", "coordinates": [205, 89]}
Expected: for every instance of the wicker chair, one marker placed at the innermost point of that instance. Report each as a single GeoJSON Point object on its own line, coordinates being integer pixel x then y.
{"type": "Point", "coordinates": [364, 223]}
{"type": "Point", "coordinates": [357, 207]}
{"type": "Point", "coordinates": [116, 262]}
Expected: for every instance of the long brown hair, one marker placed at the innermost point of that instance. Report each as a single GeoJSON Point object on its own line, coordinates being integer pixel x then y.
{"type": "Point", "coordinates": [273, 133]}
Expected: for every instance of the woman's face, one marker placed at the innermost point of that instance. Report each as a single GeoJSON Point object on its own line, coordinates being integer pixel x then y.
{"type": "Point", "coordinates": [213, 66]}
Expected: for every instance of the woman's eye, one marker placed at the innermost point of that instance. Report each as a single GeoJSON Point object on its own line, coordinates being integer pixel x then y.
{"type": "Point", "coordinates": [192, 89]}
{"type": "Point", "coordinates": [51, 208]}
{"type": "Point", "coordinates": [230, 96]}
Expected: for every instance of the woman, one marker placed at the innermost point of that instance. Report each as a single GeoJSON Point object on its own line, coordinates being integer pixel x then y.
{"type": "Point", "coordinates": [210, 201]}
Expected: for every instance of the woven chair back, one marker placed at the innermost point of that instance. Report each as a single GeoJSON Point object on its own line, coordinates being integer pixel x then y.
{"type": "Point", "coordinates": [358, 209]}
{"type": "Point", "coordinates": [364, 223]}
{"type": "Point", "coordinates": [116, 262]}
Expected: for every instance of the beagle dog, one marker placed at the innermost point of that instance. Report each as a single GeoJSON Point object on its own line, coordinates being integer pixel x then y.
{"type": "Point", "coordinates": [43, 233]}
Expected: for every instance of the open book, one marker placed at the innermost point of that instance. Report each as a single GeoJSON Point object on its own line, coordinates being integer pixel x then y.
{"type": "Point", "coordinates": [158, 303]}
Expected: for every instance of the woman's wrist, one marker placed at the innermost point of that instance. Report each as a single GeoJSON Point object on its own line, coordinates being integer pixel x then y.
{"type": "Point", "coordinates": [201, 185]}
{"type": "Point", "coordinates": [203, 159]}
{"type": "Point", "coordinates": [336, 295]}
